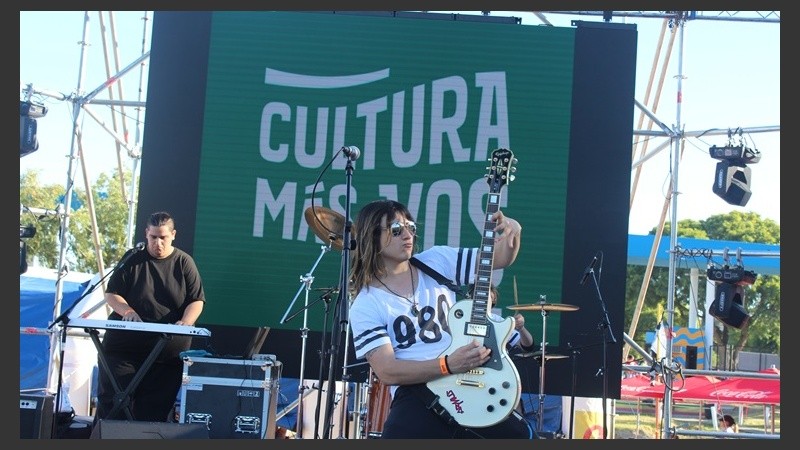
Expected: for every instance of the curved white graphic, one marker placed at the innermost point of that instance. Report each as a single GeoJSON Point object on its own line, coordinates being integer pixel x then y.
{"type": "Point", "coordinates": [281, 78]}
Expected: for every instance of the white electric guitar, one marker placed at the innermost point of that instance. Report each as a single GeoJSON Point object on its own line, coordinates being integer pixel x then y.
{"type": "Point", "coordinates": [487, 394]}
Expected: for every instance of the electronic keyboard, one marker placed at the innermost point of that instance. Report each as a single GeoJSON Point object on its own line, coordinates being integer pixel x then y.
{"type": "Point", "coordinates": [168, 328]}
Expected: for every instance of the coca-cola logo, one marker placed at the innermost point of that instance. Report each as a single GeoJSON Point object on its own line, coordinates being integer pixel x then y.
{"type": "Point", "coordinates": [746, 394]}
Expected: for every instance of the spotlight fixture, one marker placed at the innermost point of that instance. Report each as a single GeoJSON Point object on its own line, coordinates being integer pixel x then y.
{"type": "Point", "coordinates": [728, 305]}
{"type": "Point", "coordinates": [730, 282]}
{"type": "Point", "coordinates": [732, 176]}
{"type": "Point", "coordinates": [27, 231]}
{"type": "Point", "coordinates": [28, 113]}
{"type": "Point", "coordinates": [32, 110]}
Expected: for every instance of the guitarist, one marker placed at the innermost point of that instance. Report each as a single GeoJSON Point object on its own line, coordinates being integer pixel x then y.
{"type": "Point", "coordinates": [399, 318]}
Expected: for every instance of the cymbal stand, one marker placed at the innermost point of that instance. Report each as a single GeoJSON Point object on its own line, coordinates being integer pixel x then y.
{"type": "Point", "coordinates": [305, 285]}
{"type": "Point", "coordinates": [543, 344]}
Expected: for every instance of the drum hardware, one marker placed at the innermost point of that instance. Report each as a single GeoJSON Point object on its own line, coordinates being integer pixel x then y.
{"type": "Point", "coordinates": [538, 355]}
{"type": "Point", "coordinates": [329, 290]}
{"type": "Point", "coordinates": [327, 224]}
{"type": "Point", "coordinates": [305, 285]}
{"type": "Point", "coordinates": [541, 355]}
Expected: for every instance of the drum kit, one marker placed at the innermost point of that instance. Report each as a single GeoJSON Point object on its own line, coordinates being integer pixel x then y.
{"type": "Point", "coordinates": [541, 356]}
{"type": "Point", "coordinates": [328, 225]}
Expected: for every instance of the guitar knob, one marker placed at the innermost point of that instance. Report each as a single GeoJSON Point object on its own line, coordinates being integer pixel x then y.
{"type": "Point", "coordinates": [492, 391]}
{"type": "Point", "coordinates": [503, 402]}
{"type": "Point", "coordinates": [490, 408]}
{"type": "Point", "coordinates": [506, 385]}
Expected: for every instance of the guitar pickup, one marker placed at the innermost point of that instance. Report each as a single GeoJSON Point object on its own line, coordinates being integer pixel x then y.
{"type": "Point", "coordinates": [470, 383]}
{"type": "Point", "coordinates": [476, 329]}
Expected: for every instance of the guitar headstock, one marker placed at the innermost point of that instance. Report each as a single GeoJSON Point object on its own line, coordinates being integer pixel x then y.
{"type": "Point", "coordinates": [501, 169]}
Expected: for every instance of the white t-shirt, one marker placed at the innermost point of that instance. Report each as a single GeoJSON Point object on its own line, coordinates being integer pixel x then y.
{"type": "Point", "coordinates": [378, 317]}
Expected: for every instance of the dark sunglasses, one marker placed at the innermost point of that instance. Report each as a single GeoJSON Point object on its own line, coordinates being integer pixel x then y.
{"type": "Point", "coordinates": [397, 228]}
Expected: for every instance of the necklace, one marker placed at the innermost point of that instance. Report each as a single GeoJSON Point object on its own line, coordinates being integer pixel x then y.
{"type": "Point", "coordinates": [414, 309]}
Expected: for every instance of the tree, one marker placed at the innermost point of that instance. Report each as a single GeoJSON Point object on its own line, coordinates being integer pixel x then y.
{"type": "Point", "coordinates": [111, 214]}
{"type": "Point", "coordinates": [762, 299]}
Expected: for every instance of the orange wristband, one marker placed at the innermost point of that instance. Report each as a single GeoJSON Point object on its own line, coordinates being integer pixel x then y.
{"type": "Point", "coordinates": [443, 365]}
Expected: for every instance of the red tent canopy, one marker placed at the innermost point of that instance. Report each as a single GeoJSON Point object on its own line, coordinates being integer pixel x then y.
{"type": "Point", "coordinates": [639, 387]}
{"type": "Point", "coordinates": [732, 390]}
{"type": "Point", "coordinates": [709, 389]}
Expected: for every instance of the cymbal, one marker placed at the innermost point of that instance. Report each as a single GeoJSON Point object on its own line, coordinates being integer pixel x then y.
{"type": "Point", "coordinates": [538, 355]}
{"type": "Point", "coordinates": [327, 224]}
{"type": "Point", "coordinates": [563, 307]}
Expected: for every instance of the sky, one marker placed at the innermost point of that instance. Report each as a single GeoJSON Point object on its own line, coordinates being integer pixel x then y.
{"type": "Point", "coordinates": [719, 75]}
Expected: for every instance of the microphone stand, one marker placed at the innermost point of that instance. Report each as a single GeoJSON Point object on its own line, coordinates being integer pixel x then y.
{"type": "Point", "coordinates": [605, 327]}
{"type": "Point", "coordinates": [574, 351]}
{"type": "Point", "coordinates": [343, 304]}
{"type": "Point", "coordinates": [64, 320]}
{"type": "Point", "coordinates": [322, 357]}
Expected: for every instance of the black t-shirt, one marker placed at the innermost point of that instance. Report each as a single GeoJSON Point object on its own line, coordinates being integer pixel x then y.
{"type": "Point", "coordinates": [159, 291]}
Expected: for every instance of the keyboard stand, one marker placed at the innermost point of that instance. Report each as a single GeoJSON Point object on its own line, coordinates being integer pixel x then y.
{"type": "Point", "coordinates": [122, 399]}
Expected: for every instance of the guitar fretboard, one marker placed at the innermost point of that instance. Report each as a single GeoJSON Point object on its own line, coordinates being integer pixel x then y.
{"type": "Point", "coordinates": [498, 176]}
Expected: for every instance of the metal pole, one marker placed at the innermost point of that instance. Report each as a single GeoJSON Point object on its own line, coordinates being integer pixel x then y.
{"type": "Point", "coordinates": [679, 21]}
{"type": "Point", "coordinates": [55, 342]}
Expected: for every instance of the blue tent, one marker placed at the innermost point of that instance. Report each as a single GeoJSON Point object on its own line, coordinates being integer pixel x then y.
{"type": "Point", "coordinates": [37, 289]}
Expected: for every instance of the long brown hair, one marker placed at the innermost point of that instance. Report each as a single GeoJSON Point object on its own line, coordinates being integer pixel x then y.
{"type": "Point", "coordinates": [365, 260]}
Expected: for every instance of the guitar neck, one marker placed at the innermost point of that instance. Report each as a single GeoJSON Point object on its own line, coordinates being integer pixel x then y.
{"type": "Point", "coordinates": [500, 167]}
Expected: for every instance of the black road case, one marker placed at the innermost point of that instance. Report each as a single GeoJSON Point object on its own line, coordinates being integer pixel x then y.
{"type": "Point", "coordinates": [234, 398]}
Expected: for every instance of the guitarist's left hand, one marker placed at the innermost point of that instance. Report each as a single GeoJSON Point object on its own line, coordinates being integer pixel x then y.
{"type": "Point", "coordinates": [508, 231]}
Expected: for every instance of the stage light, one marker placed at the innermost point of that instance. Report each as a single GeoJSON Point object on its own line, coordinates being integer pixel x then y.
{"type": "Point", "coordinates": [32, 110]}
{"type": "Point", "coordinates": [732, 176]}
{"type": "Point", "coordinates": [733, 275]}
{"type": "Point", "coordinates": [27, 231]}
{"type": "Point", "coordinates": [728, 305]}
{"type": "Point", "coordinates": [28, 113]}
{"type": "Point", "coordinates": [737, 155]}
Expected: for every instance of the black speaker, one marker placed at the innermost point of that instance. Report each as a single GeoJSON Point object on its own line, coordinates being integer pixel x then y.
{"type": "Point", "coordinates": [36, 416]}
{"type": "Point", "coordinates": [131, 429]}
{"type": "Point", "coordinates": [732, 183]}
{"type": "Point", "coordinates": [691, 357]}
{"type": "Point", "coordinates": [728, 305]}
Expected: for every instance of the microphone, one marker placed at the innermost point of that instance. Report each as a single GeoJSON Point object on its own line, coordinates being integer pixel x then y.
{"type": "Point", "coordinates": [352, 152]}
{"type": "Point", "coordinates": [136, 249]}
{"type": "Point", "coordinates": [588, 270]}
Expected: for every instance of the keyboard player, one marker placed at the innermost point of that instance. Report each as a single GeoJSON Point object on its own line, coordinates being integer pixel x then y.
{"type": "Point", "coordinates": [157, 283]}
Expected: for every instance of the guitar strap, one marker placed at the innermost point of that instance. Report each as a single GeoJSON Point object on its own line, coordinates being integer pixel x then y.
{"type": "Point", "coordinates": [431, 402]}
{"type": "Point", "coordinates": [437, 276]}
{"type": "Point", "coordinates": [429, 399]}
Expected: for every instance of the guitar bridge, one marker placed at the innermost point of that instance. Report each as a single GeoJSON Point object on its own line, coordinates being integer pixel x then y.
{"type": "Point", "coordinates": [470, 383]}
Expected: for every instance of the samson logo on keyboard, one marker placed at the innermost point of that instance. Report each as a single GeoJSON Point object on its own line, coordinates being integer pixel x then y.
{"type": "Point", "coordinates": [167, 328]}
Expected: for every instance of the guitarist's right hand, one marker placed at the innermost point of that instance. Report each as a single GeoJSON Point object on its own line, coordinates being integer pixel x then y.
{"type": "Point", "coordinates": [468, 357]}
